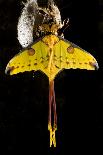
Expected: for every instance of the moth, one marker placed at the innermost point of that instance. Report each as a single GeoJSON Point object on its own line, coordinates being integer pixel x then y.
{"type": "Point", "coordinates": [40, 33]}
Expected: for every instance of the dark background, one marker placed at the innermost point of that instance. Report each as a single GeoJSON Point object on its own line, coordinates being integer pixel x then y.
{"type": "Point", "coordinates": [79, 93]}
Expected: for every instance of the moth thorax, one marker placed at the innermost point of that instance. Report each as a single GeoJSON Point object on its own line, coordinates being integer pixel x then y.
{"type": "Point", "coordinates": [49, 28]}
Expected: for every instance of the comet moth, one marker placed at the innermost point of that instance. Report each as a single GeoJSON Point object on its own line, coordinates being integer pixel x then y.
{"type": "Point", "coordinates": [40, 32]}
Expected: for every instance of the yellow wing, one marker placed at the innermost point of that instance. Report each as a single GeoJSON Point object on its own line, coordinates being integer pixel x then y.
{"type": "Point", "coordinates": [68, 55]}
{"type": "Point", "coordinates": [51, 54]}
{"type": "Point", "coordinates": [33, 58]}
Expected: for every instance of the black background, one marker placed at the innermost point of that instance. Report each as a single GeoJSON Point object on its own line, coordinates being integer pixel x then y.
{"type": "Point", "coordinates": [79, 93]}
